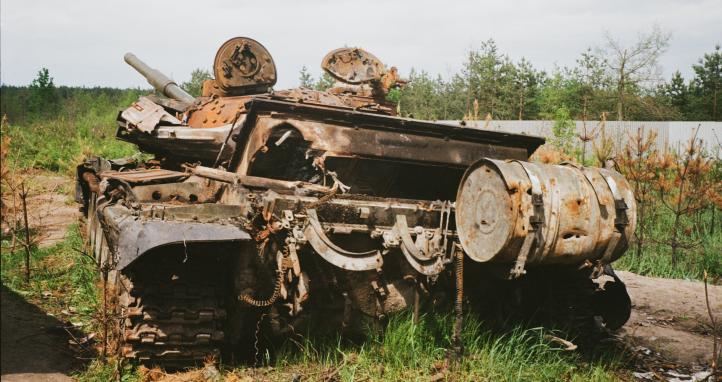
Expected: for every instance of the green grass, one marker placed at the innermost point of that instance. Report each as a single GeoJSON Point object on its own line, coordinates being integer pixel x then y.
{"type": "Point", "coordinates": [415, 352]}
{"type": "Point", "coordinates": [100, 371]}
{"type": "Point", "coordinates": [656, 256]}
{"type": "Point", "coordinates": [83, 125]}
{"type": "Point", "coordinates": [63, 282]}
{"type": "Point", "coordinates": [59, 145]}
{"type": "Point", "coordinates": [61, 277]}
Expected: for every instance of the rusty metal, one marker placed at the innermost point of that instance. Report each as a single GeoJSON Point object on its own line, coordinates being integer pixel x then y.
{"type": "Point", "coordinates": [154, 329]}
{"type": "Point", "coordinates": [91, 180]}
{"type": "Point", "coordinates": [242, 65]}
{"type": "Point", "coordinates": [344, 259]}
{"type": "Point", "coordinates": [145, 175]}
{"type": "Point", "coordinates": [353, 65]}
{"type": "Point", "coordinates": [158, 80]}
{"type": "Point", "coordinates": [328, 201]}
{"type": "Point", "coordinates": [277, 287]}
{"type": "Point", "coordinates": [360, 72]}
{"type": "Point", "coordinates": [256, 181]}
{"type": "Point", "coordinates": [574, 219]}
{"type": "Point", "coordinates": [458, 301]}
{"type": "Point", "coordinates": [422, 256]}
{"type": "Point", "coordinates": [145, 115]}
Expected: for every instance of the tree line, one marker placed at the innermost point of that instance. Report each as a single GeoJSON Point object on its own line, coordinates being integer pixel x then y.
{"type": "Point", "coordinates": [42, 100]}
{"type": "Point", "coordinates": [612, 81]}
{"type": "Point", "coordinates": [619, 81]}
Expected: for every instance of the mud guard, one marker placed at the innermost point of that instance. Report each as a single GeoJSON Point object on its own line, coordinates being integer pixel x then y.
{"type": "Point", "coordinates": [137, 237]}
{"type": "Point", "coordinates": [613, 303]}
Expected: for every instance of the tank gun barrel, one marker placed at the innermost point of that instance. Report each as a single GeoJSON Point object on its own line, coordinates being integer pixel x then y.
{"type": "Point", "coordinates": [159, 80]}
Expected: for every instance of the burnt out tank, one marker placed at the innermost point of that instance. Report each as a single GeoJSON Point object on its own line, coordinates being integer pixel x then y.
{"type": "Point", "coordinates": [286, 211]}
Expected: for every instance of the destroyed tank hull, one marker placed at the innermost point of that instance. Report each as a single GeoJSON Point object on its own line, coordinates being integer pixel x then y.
{"type": "Point", "coordinates": [265, 210]}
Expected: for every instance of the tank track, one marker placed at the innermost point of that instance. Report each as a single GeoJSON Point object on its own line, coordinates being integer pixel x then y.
{"type": "Point", "coordinates": [175, 323]}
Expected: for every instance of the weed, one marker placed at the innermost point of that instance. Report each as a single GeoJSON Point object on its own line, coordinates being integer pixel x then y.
{"type": "Point", "coordinates": [409, 351]}
{"type": "Point", "coordinates": [58, 142]}
{"type": "Point", "coordinates": [62, 277]}
{"type": "Point", "coordinates": [677, 199]}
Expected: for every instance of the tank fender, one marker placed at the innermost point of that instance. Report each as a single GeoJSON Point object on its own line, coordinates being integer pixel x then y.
{"type": "Point", "coordinates": [612, 301]}
{"type": "Point", "coordinates": [137, 237]}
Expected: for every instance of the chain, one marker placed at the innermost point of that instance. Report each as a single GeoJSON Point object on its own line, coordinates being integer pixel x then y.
{"type": "Point", "coordinates": [250, 300]}
{"type": "Point", "coordinates": [255, 339]}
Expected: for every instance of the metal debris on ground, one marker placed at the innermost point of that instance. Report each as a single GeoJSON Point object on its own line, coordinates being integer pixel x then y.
{"type": "Point", "coordinates": [653, 366]}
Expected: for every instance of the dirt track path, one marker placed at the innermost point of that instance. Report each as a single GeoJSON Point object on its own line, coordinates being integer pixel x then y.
{"type": "Point", "coordinates": [34, 345]}
{"type": "Point", "coordinates": [671, 317]}
{"type": "Point", "coordinates": [51, 208]}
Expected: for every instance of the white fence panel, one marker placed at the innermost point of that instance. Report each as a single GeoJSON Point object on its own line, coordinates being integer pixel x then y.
{"type": "Point", "coordinates": [671, 135]}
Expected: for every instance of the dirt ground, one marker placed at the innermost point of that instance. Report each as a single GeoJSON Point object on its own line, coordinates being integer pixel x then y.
{"type": "Point", "coordinates": [34, 344]}
{"type": "Point", "coordinates": [50, 208]}
{"type": "Point", "coordinates": [669, 319]}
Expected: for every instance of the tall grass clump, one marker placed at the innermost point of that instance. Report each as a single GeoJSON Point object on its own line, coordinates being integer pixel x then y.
{"type": "Point", "coordinates": [420, 351]}
{"type": "Point", "coordinates": [63, 277]}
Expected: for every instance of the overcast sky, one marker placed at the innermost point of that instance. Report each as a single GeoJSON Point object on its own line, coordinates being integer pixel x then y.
{"type": "Point", "coordinates": [82, 42]}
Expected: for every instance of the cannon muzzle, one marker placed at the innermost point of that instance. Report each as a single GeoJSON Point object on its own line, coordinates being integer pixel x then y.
{"type": "Point", "coordinates": [159, 80]}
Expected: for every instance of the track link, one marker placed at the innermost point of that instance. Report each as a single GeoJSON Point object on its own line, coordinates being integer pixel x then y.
{"type": "Point", "coordinates": [177, 322]}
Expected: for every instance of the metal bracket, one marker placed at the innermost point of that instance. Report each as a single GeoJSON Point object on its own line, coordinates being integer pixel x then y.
{"type": "Point", "coordinates": [381, 291]}
{"type": "Point", "coordinates": [444, 220]}
{"type": "Point", "coordinates": [422, 262]}
{"type": "Point", "coordinates": [620, 206]}
{"type": "Point", "coordinates": [351, 261]}
{"type": "Point", "coordinates": [537, 220]}
{"type": "Point", "coordinates": [621, 220]}
{"type": "Point", "coordinates": [293, 256]}
{"type": "Point", "coordinates": [534, 240]}
{"type": "Point", "coordinates": [518, 269]}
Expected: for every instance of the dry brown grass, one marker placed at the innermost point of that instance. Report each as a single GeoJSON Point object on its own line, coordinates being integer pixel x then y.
{"type": "Point", "coordinates": [548, 154]}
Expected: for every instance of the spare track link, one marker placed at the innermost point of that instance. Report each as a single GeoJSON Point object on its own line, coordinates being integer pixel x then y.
{"type": "Point", "coordinates": [172, 324]}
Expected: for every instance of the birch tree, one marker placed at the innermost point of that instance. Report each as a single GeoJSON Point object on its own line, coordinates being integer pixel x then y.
{"type": "Point", "coordinates": [634, 65]}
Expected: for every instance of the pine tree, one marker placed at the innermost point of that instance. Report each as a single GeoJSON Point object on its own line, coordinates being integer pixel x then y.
{"type": "Point", "coordinates": [707, 85]}
{"type": "Point", "coordinates": [43, 95]}
{"type": "Point", "coordinates": [526, 86]}
{"type": "Point", "coordinates": [325, 82]}
{"type": "Point", "coordinates": [677, 93]}
{"type": "Point", "coordinates": [194, 86]}
{"type": "Point", "coordinates": [305, 79]}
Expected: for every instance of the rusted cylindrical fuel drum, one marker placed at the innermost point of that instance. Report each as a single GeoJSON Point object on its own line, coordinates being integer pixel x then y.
{"type": "Point", "coordinates": [581, 212]}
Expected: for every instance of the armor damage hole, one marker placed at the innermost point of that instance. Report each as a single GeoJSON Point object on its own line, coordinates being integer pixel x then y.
{"type": "Point", "coordinates": [570, 236]}
{"type": "Point", "coordinates": [156, 195]}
